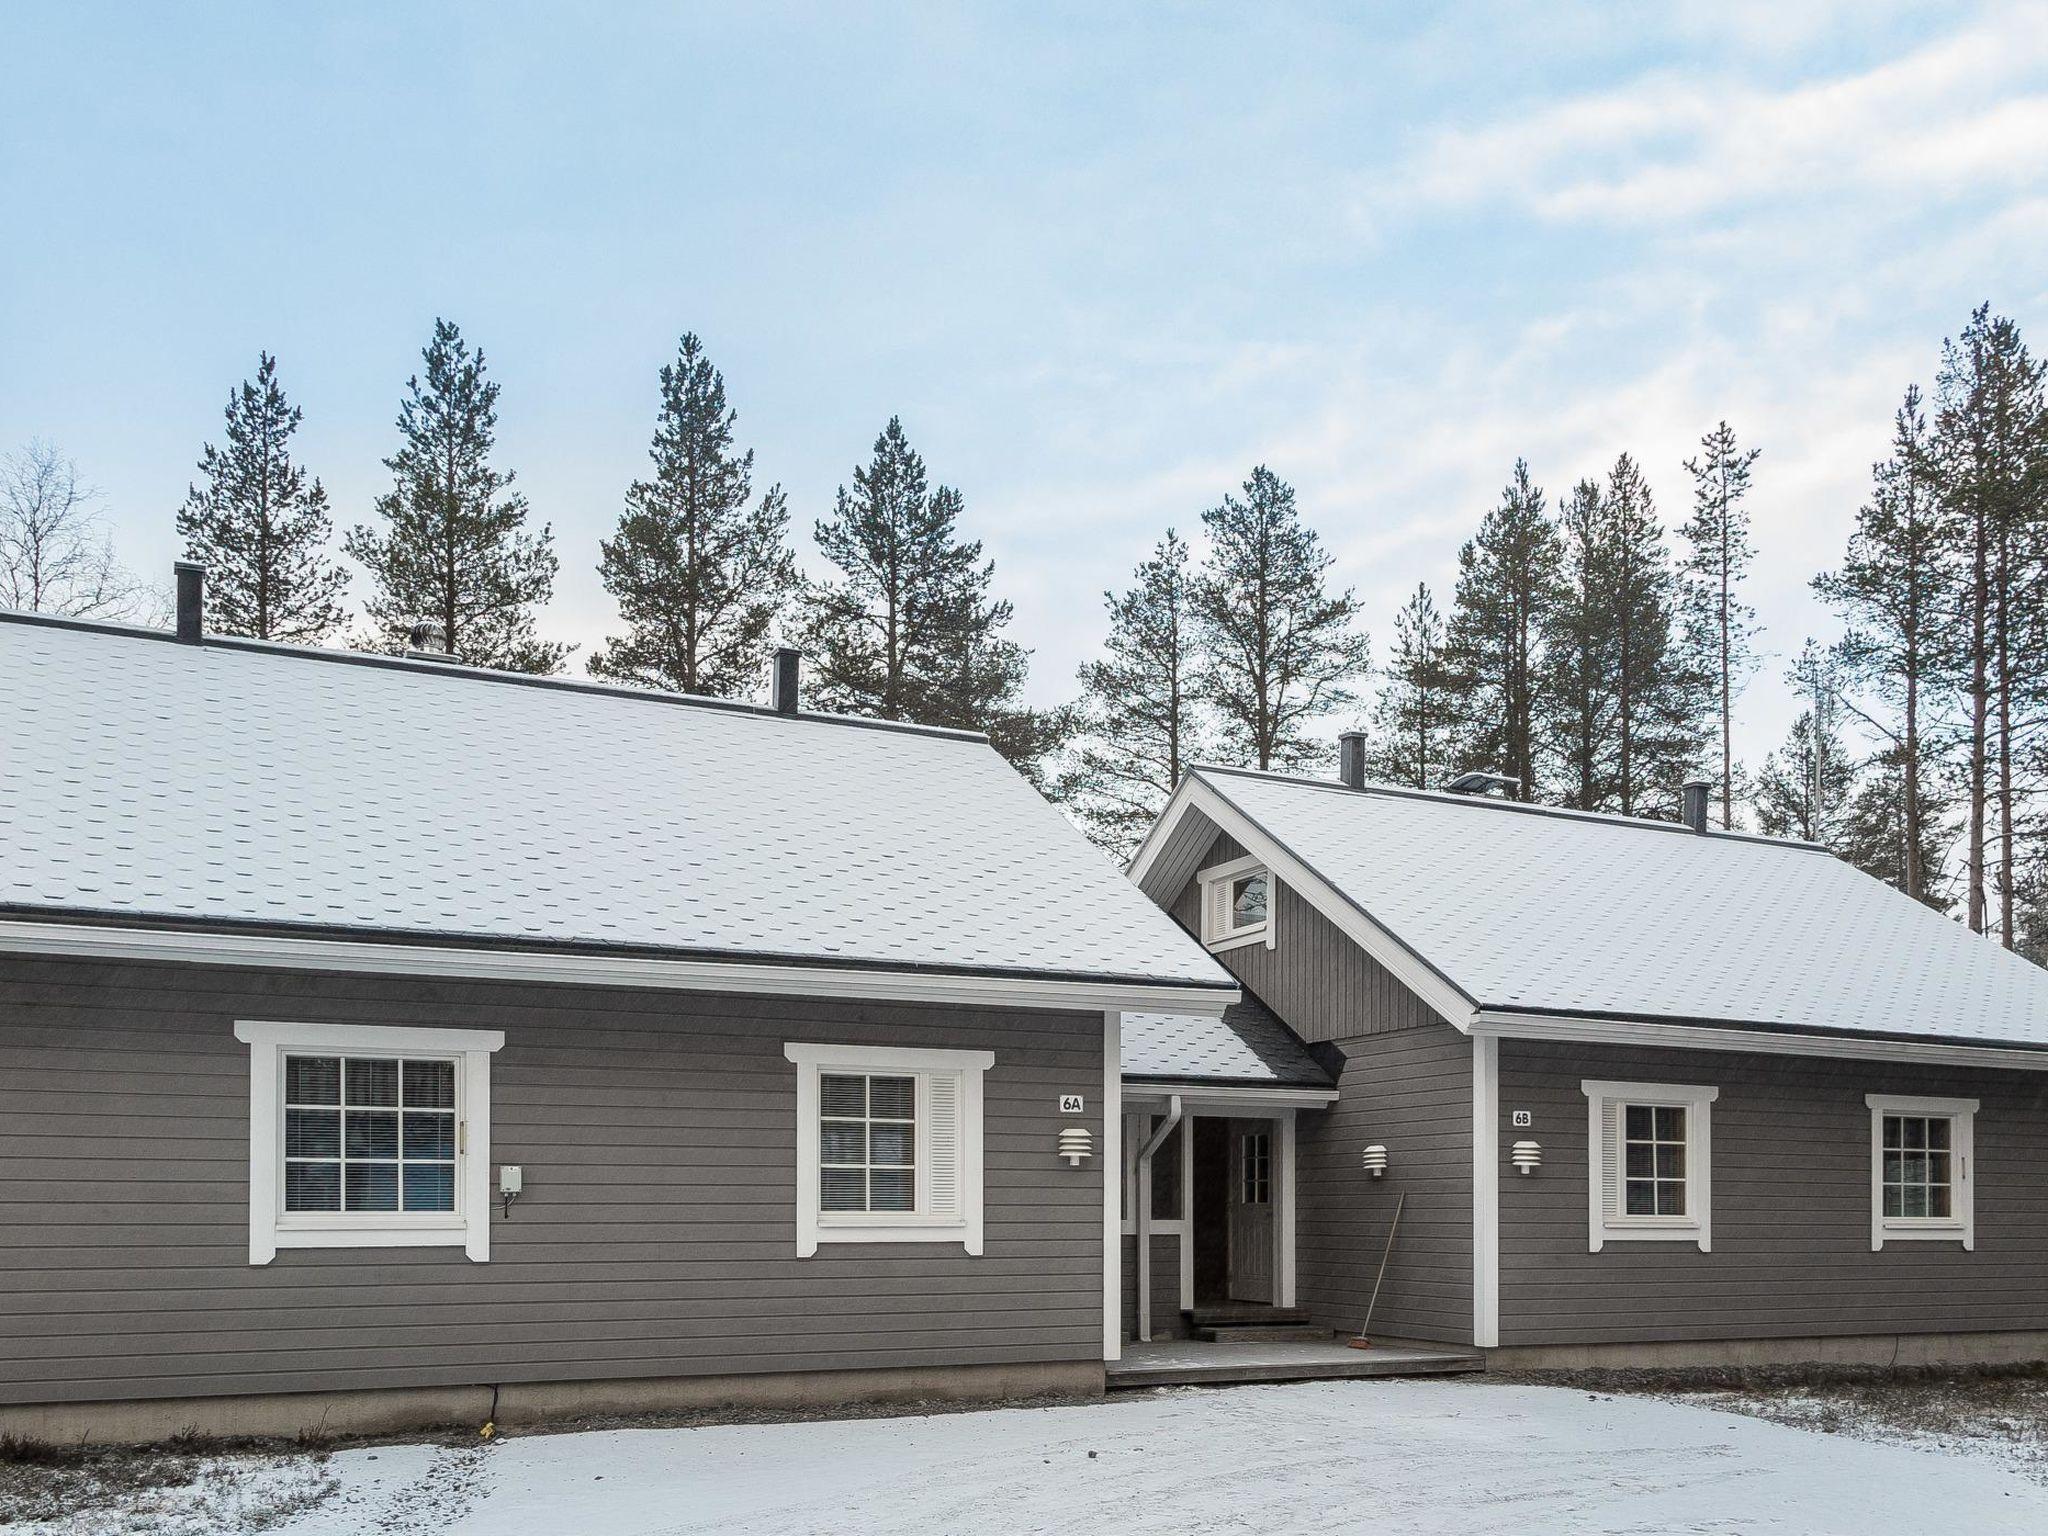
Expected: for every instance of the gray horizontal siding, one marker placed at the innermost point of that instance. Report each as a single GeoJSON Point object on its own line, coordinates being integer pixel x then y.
{"type": "Point", "coordinates": [1791, 1207]}
{"type": "Point", "coordinates": [1315, 977]}
{"type": "Point", "coordinates": [1411, 1092]}
{"type": "Point", "coordinates": [656, 1236]}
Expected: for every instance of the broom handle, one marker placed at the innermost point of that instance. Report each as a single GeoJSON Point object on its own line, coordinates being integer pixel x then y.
{"type": "Point", "coordinates": [1385, 1254]}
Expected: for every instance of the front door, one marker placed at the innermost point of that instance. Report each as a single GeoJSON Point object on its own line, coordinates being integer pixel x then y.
{"type": "Point", "coordinates": [1251, 1211]}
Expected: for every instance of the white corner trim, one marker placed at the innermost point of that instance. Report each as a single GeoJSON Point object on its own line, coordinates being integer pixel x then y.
{"type": "Point", "coordinates": [1284, 1216]}
{"type": "Point", "coordinates": [1485, 1192]}
{"type": "Point", "coordinates": [1960, 1226]}
{"type": "Point", "coordinates": [814, 1226]}
{"type": "Point", "coordinates": [1697, 1225]}
{"type": "Point", "coordinates": [1112, 1157]}
{"type": "Point", "coordinates": [468, 1226]}
{"type": "Point", "coordinates": [1196, 796]}
{"type": "Point", "coordinates": [103, 942]}
{"type": "Point", "coordinates": [1509, 1025]}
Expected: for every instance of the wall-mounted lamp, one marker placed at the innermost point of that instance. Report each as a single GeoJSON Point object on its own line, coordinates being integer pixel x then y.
{"type": "Point", "coordinates": [1076, 1145]}
{"type": "Point", "coordinates": [1527, 1156]}
{"type": "Point", "coordinates": [1375, 1160]}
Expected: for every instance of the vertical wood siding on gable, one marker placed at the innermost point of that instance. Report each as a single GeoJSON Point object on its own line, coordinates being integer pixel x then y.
{"type": "Point", "coordinates": [1410, 1091]}
{"type": "Point", "coordinates": [656, 1236]}
{"type": "Point", "coordinates": [1791, 1207]}
{"type": "Point", "coordinates": [1315, 977]}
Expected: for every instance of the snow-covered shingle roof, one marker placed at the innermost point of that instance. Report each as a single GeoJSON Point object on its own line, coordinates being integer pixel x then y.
{"type": "Point", "coordinates": [1247, 1045]}
{"type": "Point", "coordinates": [1529, 909]}
{"type": "Point", "coordinates": [231, 783]}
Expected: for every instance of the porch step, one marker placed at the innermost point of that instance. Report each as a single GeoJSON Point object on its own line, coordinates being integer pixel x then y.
{"type": "Point", "coordinates": [1241, 1314]}
{"type": "Point", "coordinates": [1264, 1333]}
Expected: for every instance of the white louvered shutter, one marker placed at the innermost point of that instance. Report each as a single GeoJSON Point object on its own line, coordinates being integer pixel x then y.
{"type": "Point", "coordinates": [942, 1141]}
{"type": "Point", "coordinates": [1216, 895]}
{"type": "Point", "coordinates": [1610, 1157]}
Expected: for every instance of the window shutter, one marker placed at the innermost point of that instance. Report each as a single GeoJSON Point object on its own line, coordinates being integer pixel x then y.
{"type": "Point", "coordinates": [1216, 910]}
{"type": "Point", "coordinates": [1610, 1157]}
{"type": "Point", "coordinates": [943, 1142]}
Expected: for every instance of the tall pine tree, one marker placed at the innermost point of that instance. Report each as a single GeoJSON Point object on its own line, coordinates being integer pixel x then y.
{"type": "Point", "coordinates": [455, 550]}
{"type": "Point", "coordinates": [699, 568]}
{"type": "Point", "coordinates": [1413, 722]}
{"type": "Point", "coordinates": [1507, 581]}
{"type": "Point", "coordinates": [1658, 696]}
{"type": "Point", "coordinates": [1580, 646]}
{"type": "Point", "coordinates": [260, 528]}
{"type": "Point", "coordinates": [907, 629]}
{"type": "Point", "coordinates": [1139, 716]}
{"type": "Point", "coordinates": [1893, 593]}
{"type": "Point", "coordinates": [1282, 650]}
{"type": "Point", "coordinates": [1805, 786]}
{"type": "Point", "coordinates": [1719, 626]}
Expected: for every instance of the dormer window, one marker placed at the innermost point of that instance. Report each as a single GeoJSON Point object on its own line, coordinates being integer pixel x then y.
{"type": "Point", "coordinates": [1237, 904]}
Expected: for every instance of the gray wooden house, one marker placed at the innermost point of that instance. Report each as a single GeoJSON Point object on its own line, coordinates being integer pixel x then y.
{"type": "Point", "coordinates": [384, 1041]}
{"type": "Point", "coordinates": [1651, 1092]}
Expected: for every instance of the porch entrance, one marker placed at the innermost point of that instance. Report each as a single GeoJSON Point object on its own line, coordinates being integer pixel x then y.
{"type": "Point", "coordinates": [1235, 1231]}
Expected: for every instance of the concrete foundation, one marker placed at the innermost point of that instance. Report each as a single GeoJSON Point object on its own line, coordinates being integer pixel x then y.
{"type": "Point", "coordinates": [400, 1409]}
{"type": "Point", "coordinates": [2018, 1347]}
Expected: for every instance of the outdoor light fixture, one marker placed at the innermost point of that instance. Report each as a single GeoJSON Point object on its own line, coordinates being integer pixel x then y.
{"type": "Point", "coordinates": [1076, 1145]}
{"type": "Point", "coordinates": [1527, 1156]}
{"type": "Point", "coordinates": [1375, 1160]}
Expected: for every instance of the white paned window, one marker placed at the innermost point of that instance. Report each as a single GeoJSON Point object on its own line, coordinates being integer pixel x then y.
{"type": "Point", "coordinates": [368, 1136]}
{"type": "Point", "coordinates": [1921, 1177]}
{"type": "Point", "coordinates": [888, 1145]}
{"type": "Point", "coordinates": [1649, 1167]}
{"type": "Point", "coordinates": [1237, 904]}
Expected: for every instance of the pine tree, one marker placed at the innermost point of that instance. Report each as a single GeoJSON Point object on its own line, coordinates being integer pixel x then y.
{"type": "Point", "coordinates": [1719, 625]}
{"type": "Point", "coordinates": [1805, 787]}
{"type": "Point", "coordinates": [700, 570]}
{"type": "Point", "coordinates": [907, 630]}
{"type": "Point", "coordinates": [1413, 721]}
{"type": "Point", "coordinates": [1990, 451]}
{"type": "Point", "coordinates": [1878, 838]}
{"type": "Point", "coordinates": [1507, 581]}
{"type": "Point", "coordinates": [1140, 719]}
{"type": "Point", "coordinates": [1579, 644]}
{"type": "Point", "coordinates": [259, 528]}
{"type": "Point", "coordinates": [1658, 697]}
{"type": "Point", "coordinates": [1281, 649]}
{"type": "Point", "coordinates": [455, 550]}
{"type": "Point", "coordinates": [1893, 593]}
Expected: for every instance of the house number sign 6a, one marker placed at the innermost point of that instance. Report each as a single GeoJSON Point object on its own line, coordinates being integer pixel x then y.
{"type": "Point", "coordinates": [1072, 1104]}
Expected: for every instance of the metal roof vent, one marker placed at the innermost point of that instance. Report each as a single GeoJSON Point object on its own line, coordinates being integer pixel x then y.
{"type": "Point", "coordinates": [425, 642]}
{"type": "Point", "coordinates": [1477, 783]}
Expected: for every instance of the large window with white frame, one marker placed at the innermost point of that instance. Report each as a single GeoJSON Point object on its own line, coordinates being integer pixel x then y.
{"type": "Point", "coordinates": [889, 1145]}
{"type": "Point", "coordinates": [1237, 904]}
{"type": "Point", "coordinates": [368, 1136]}
{"type": "Point", "coordinates": [1649, 1163]}
{"type": "Point", "coordinates": [1922, 1184]}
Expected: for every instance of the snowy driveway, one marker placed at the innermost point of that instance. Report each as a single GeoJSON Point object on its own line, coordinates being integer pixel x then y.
{"type": "Point", "coordinates": [1393, 1458]}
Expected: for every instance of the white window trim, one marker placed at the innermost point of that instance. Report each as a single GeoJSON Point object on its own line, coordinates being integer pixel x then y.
{"type": "Point", "coordinates": [1218, 938]}
{"type": "Point", "coordinates": [468, 1226]}
{"type": "Point", "coordinates": [814, 1226]}
{"type": "Point", "coordinates": [1960, 1226]}
{"type": "Point", "coordinates": [1697, 1225]}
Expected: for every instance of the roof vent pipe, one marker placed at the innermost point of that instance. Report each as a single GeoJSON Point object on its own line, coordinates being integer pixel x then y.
{"type": "Point", "coordinates": [1696, 792]}
{"type": "Point", "coordinates": [1351, 759]}
{"type": "Point", "coordinates": [191, 599]}
{"type": "Point", "coordinates": [787, 659]}
{"type": "Point", "coordinates": [427, 642]}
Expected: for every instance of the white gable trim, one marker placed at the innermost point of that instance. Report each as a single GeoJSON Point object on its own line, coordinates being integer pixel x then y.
{"type": "Point", "coordinates": [1195, 795]}
{"type": "Point", "coordinates": [85, 942]}
{"type": "Point", "coordinates": [1703, 1037]}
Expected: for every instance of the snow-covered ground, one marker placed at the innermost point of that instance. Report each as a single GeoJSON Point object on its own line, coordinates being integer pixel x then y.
{"type": "Point", "coordinates": [1417, 1458]}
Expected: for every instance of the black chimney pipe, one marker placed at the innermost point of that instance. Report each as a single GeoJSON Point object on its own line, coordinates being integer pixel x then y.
{"type": "Point", "coordinates": [1351, 759]}
{"type": "Point", "coordinates": [786, 661]}
{"type": "Point", "coordinates": [191, 599]}
{"type": "Point", "coordinates": [1696, 792]}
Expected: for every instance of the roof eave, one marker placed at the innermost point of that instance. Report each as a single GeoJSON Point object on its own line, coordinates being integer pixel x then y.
{"type": "Point", "coordinates": [1771, 1039]}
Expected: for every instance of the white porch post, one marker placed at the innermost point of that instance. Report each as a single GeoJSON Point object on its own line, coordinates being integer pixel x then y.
{"type": "Point", "coordinates": [1187, 1213]}
{"type": "Point", "coordinates": [1283, 1222]}
{"type": "Point", "coordinates": [1486, 1191]}
{"type": "Point", "coordinates": [1111, 1163]}
{"type": "Point", "coordinates": [1143, 1214]}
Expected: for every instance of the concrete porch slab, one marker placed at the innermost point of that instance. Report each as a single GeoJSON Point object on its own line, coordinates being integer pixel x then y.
{"type": "Point", "coordinates": [1187, 1362]}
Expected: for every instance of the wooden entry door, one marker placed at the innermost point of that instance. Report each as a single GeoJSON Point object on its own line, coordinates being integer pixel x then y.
{"type": "Point", "coordinates": [1251, 1211]}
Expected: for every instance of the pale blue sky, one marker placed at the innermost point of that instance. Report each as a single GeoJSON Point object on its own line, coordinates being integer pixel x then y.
{"type": "Point", "coordinates": [1100, 266]}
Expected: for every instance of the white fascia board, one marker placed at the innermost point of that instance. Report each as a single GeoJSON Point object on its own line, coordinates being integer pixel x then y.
{"type": "Point", "coordinates": [1703, 1037]}
{"type": "Point", "coordinates": [1191, 1095]}
{"type": "Point", "coordinates": [1196, 795]}
{"type": "Point", "coordinates": [265, 951]}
